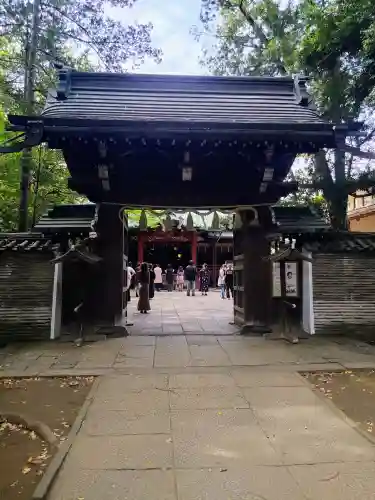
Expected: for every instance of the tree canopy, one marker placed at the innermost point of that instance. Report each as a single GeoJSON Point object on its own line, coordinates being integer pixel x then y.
{"type": "Point", "coordinates": [307, 37]}
{"type": "Point", "coordinates": [84, 34]}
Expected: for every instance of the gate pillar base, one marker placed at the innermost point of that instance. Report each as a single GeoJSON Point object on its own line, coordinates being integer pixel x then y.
{"type": "Point", "coordinates": [256, 329]}
{"type": "Point", "coordinates": [113, 331]}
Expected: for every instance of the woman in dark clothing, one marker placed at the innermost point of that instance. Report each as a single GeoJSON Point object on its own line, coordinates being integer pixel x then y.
{"type": "Point", "coordinates": [169, 278]}
{"type": "Point", "coordinates": [137, 271]}
{"type": "Point", "coordinates": [204, 276]}
{"type": "Point", "coordinates": [229, 280]}
{"type": "Point", "coordinates": [151, 289]}
{"type": "Point", "coordinates": [144, 283]}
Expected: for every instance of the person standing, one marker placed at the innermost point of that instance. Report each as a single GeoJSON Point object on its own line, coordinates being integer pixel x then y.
{"type": "Point", "coordinates": [151, 291]}
{"type": "Point", "coordinates": [180, 279]}
{"type": "Point", "coordinates": [129, 275]}
{"type": "Point", "coordinates": [229, 280]}
{"type": "Point", "coordinates": [137, 271]}
{"type": "Point", "coordinates": [158, 277]}
{"type": "Point", "coordinates": [221, 281]}
{"type": "Point", "coordinates": [169, 277]}
{"type": "Point", "coordinates": [204, 279]}
{"type": "Point", "coordinates": [126, 285]}
{"type": "Point", "coordinates": [190, 277]}
{"type": "Point", "coordinates": [144, 283]}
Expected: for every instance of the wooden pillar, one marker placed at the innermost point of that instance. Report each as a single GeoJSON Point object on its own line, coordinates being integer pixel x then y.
{"type": "Point", "coordinates": [257, 282]}
{"type": "Point", "coordinates": [253, 284]}
{"type": "Point", "coordinates": [109, 285]}
{"type": "Point", "coordinates": [194, 244]}
{"type": "Point", "coordinates": [140, 247]}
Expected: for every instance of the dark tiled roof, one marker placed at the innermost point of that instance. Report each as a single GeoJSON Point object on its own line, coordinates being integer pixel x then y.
{"type": "Point", "coordinates": [24, 242]}
{"type": "Point", "coordinates": [67, 219]}
{"type": "Point", "coordinates": [299, 219]}
{"type": "Point", "coordinates": [171, 99]}
{"type": "Point", "coordinates": [291, 220]}
{"type": "Point", "coordinates": [342, 242]}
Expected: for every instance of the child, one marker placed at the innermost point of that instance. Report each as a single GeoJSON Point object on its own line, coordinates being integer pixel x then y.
{"type": "Point", "coordinates": [180, 279]}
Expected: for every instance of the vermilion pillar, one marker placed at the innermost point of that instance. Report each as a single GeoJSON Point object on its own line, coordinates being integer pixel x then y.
{"type": "Point", "coordinates": [140, 247]}
{"type": "Point", "coordinates": [194, 247]}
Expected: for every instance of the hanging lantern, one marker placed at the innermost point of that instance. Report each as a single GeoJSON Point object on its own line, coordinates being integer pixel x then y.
{"type": "Point", "coordinates": [143, 221]}
{"type": "Point", "coordinates": [190, 222]}
{"type": "Point", "coordinates": [216, 221]}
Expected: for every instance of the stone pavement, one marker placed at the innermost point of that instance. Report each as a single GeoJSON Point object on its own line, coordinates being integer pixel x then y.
{"type": "Point", "coordinates": [206, 415]}
{"type": "Point", "coordinates": [176, 314]}
{"type": "Point", "coordinates": [244, 434]}
{"type": "Point", "coordinates": [183, 334]}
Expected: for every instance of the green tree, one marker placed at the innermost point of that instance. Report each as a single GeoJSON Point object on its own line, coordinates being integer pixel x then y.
{"type": "Point", "coordinates": [270, 37]}
{"type": "Point", "coordinates": [34, 35]}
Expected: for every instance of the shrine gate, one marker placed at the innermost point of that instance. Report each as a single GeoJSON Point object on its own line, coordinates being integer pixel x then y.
{"type": "Point", "coordinates": [181, 142]}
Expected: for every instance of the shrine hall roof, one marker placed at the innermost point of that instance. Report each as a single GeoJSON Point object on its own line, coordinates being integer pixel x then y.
{"type": "Point", "coordinates": [204, 103]}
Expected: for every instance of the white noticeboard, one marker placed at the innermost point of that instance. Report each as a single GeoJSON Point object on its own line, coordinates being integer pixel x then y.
{"type": "Point", "coordinates": [290, 279]}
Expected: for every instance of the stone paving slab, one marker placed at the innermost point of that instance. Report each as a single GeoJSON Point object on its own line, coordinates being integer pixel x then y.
{"type": "Point", "coordinates": [221, 438]}
{"type": "Point", "coordinates": [207, 397]}
{"type": "Point", "coordinates": [192, 381]}
{"type": "Point", "coordinates": [303, 429]}
{"type": "Point", "coordinates": [133, 363]}
{"type": "Point", "coordinates": [264, 378]}
{"type": "Point", "coordinates": [336, 481]}
{"type": "Point", "coordinates": [116, 423]}
{"type": "Point", "coordinates": [200, 340]}
{"type": "Point", "coordinates": [117, 384]}
{"type": "Point", "coordinates": [121, 452]}
{"type": "Point", "coordinates": [141, 401]}
{"type": "Point", "coordinates": [203, 355]}
{"type": "Point", "coordinates": [114, 485]}
{"type": "Point", "coordinates": [247, 483]}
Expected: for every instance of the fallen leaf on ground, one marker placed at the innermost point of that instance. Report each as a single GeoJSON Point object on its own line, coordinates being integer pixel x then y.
{"type": "Point", "coordinates": [26, 470]}
{"type": "Point", "coordinates": [35, 460]}
{"type": "Point", "coordinates": [331, 477]}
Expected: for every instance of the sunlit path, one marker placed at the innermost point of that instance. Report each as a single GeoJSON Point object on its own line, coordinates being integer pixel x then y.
{"type": "Point", "coordinates": [176, 314]}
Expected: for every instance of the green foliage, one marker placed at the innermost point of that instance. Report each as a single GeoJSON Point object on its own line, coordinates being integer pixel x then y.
{"type": "Point", "coordinates": [343, 30]}
{"type": "Point", "coordinates": [319, 39]}
{"type": "Point", "coordinates": [48, 186]}
{"type": "Point", "coordinates": [82, 34]}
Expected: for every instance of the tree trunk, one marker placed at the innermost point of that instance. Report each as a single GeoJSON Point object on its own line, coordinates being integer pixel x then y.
{"type": "Point", "coordinates": [340, 204]}
{"type": "Point", "coordinates": [337, 212]}
{"type": "Point", "coordinates": [30, 72]}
